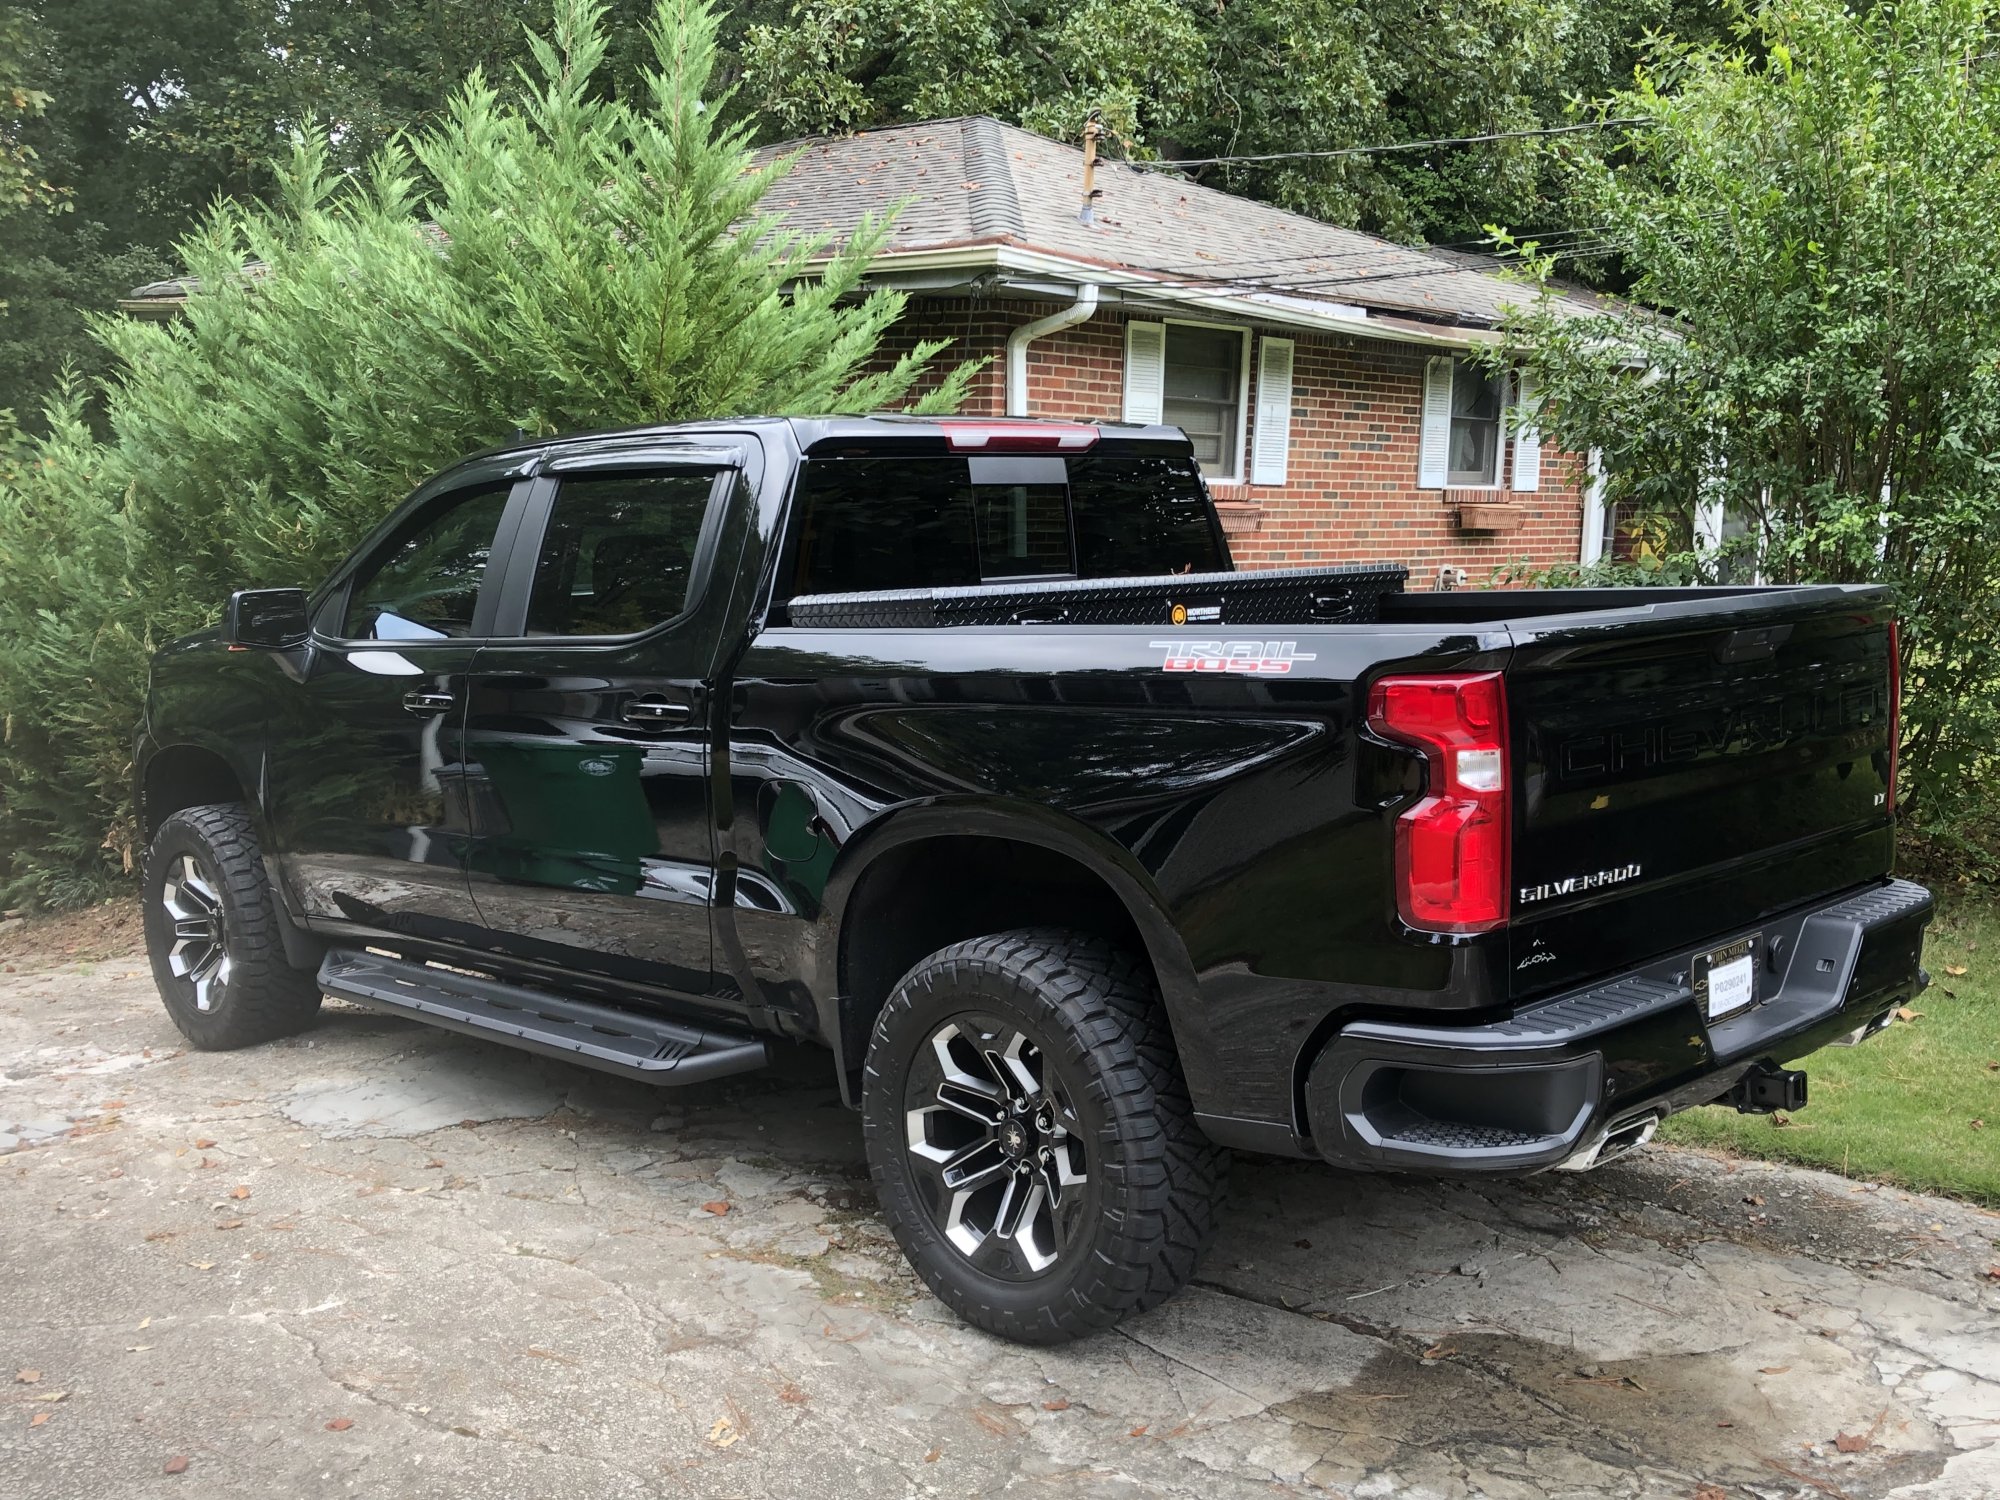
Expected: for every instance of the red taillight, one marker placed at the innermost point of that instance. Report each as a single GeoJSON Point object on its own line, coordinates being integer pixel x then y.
{"type": "Point", "coordinates": [1451, 848]}
{"type": "Point", "coordinates": [1895, 704]}
{"type": "Point", "coordinates": [1018, 437]}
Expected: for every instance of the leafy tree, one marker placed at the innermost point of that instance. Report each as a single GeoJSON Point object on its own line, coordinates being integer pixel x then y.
{"type": "Point", "coordinates": [594, 262]}
{"type": "Point", "coordinates": [21, 180]}
{"type": "Point", "coordinates": [1816, 213]}
{"type": "Point", "coordinates": [1174, 79]}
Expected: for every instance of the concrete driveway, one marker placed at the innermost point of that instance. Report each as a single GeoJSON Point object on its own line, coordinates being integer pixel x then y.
{"type": "Point", "coordinates": [383, 1261]}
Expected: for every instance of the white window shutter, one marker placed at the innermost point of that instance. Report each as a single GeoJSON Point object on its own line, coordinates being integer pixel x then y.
{"type": "Point", "coordinates": [1527, 435]}
{"type": "Point", "coordinates": [1272, 441]}
{"type": "Point", "coordinates": [1434, 449]}
{"type": "Point", "coordinates": [1145, 371]}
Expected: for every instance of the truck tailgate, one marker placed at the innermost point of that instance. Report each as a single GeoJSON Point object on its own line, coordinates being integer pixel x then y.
{"type": "Point", "coordinates": [1689, 767]}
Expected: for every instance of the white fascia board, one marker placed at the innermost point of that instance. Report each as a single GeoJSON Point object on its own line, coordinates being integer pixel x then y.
{"type": "Point", "coordinates": [1133, 287]}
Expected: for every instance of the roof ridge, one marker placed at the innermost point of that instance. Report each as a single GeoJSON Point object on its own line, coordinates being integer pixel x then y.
{"type": "Point", "coordinates": [995, 204]}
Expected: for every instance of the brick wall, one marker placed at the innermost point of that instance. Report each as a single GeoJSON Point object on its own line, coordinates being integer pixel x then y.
{"type": "Point", "coordinates": [1351, 493]}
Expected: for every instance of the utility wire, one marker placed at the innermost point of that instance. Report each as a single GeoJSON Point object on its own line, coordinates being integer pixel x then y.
{"type": "Point", "coordinates": [1444, 140]}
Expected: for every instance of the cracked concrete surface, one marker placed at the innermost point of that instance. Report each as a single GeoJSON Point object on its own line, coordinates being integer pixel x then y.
{"type": "Point", "coordinates": [514, 1278]}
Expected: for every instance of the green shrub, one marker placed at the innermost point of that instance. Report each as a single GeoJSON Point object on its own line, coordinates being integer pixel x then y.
{"type": "Point", "coordinates": [1816, 215]}
{"type": "Point", "coordinates": [592, 264]}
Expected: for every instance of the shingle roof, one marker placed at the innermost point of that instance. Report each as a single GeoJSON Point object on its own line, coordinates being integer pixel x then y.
{"type": "Point", "coordinates": [976, 180]}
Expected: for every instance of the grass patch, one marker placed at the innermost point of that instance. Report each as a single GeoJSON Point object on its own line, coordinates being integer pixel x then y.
{"type": "Point", "coordinates": [1918, 1105]}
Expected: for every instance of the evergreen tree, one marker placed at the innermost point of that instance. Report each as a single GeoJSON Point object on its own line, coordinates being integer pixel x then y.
{"type": "Point", "coordinates": [578, 261]}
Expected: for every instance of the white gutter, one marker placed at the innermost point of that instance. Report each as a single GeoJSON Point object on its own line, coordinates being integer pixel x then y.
{"type": "Point", "coordinates": [1079, 311]}
{"type": "Point", "coordinates": [1128, 286]}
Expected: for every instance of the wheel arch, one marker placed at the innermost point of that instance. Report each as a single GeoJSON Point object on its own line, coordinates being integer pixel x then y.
{"type": "Point", "coordinates": [186, 774]}
{"type": "Point", "coordinates": [907, 885]}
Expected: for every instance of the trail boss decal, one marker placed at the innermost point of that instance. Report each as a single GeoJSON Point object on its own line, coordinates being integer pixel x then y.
{"type": "Point", "coordinates": [1576, 885]}
{"type": "Point", "coordinates": [1256, 658]}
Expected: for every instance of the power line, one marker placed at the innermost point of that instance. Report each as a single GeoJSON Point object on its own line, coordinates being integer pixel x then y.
{"type": "Point", "coordinates": [1444, 140]}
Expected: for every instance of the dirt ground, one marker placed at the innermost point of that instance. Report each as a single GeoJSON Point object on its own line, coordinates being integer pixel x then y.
{"type": "Point", "coordinates": [383, 1260]}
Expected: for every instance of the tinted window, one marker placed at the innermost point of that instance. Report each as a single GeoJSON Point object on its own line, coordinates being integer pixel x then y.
{"type": "Point", "coordinates": [1136, 516]}
{"type": "Point", "coordinates": [424, 582]}
{"type": "Point", "coordinates": [939, 522]}
{"type": "Point", "coordinates": [618, 552]}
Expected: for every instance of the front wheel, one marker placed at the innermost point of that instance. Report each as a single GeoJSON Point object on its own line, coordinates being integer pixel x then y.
{"type": "Point", "coordinates": [212, 933]}
{"type": "Point", "coordinates": [1031, 1138]}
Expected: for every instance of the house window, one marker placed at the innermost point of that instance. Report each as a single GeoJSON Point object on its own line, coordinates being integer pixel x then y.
{"type": "Point", "coordinates": [1478, 398]}
{"type": "Point", "coordinates": [1203, 393]}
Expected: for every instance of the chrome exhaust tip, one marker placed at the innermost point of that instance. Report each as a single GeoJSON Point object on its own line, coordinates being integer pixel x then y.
{"type": "Point", "coordinates": [1609, 1145]}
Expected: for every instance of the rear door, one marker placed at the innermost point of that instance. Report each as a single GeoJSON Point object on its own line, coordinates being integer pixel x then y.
{"type": "Point", "coordinates": [1692, 767]}
{"type": "Point", "coordinates": [586, 726]}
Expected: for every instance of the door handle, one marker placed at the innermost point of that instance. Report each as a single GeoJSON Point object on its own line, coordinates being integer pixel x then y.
{"type": "Point", "coordinates": [655, 712]}
{"type": "Point", "coordinates": [421, 701]}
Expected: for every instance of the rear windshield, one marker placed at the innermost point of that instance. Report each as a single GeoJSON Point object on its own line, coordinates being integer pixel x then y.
{"type": "Point", "coordinates": [938, 522]}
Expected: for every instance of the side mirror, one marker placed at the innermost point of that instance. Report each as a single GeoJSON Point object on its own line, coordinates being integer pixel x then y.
{"type": "Point", "coordinates": [266, 619]}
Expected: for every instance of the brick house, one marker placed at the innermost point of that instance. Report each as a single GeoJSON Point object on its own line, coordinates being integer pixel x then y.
{"type": "Point", "coordinates": [1321, 372]}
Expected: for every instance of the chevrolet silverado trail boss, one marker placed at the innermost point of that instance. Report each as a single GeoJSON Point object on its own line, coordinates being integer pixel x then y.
{"type": "Point", "coordinates": [954, 747]}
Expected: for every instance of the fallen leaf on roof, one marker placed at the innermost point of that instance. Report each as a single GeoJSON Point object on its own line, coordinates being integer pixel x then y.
{"type": "Point", "coordinates": [340, 1424]}
{"type": "Point", "coordinates": [934, 1455]}
{"type": "Point", "coordinates": [1774, 1369]}
{"type": "Point", "coordinates": [230, 1224]}
{"type": "Point", "coordinates": [1061, 1403]}
{"type": "Point", "coordinates": [723, 1433]}
{"type": "Point", "coordinates": [178, 1464]}
{"type": "Point", "coordinates": [1851, 1442]}
{"type": "Point", "coordinates": [239, 1192]}
{"type": "Point", "coordinates": [717, 1207]}
{"type": "Point", "coordinates": [27, 1377]}
{"type": "Point", "coordinates": [39, 1419]}
{"type": "Point", "coordinates": [203, 1144]}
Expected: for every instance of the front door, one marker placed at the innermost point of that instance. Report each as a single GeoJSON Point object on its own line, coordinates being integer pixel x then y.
{"type": "Point", "coordinates": [366, 779]}
{"type": "Point", "coordinates": [585, 733]}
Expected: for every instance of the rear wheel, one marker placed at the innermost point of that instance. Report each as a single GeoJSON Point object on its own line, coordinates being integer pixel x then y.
{"type": "Point", "coordinates": [1031, 1138]}
{"type": "Point", "coordinates": [212, 933]}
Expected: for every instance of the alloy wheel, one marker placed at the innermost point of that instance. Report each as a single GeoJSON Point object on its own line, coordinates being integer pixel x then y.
{"type": "Point", "coordinates": [192, 900]}
{"type": "Point", "coordinates": [997, 1148]}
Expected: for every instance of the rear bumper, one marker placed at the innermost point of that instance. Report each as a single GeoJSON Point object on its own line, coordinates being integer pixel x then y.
{"type": "Point", "coordinates": [1557, 1079]}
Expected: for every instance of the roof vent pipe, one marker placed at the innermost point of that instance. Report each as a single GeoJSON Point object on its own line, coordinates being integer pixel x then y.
{"type": "Point", "coordinates": [1079, 311]}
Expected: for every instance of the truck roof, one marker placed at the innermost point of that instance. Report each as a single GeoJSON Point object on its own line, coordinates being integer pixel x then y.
{"type": "Point", "coordinates": [956, 433]}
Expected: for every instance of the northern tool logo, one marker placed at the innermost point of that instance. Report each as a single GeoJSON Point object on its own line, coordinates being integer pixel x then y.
{"type": "Point", "coordinates": [1254, 658]}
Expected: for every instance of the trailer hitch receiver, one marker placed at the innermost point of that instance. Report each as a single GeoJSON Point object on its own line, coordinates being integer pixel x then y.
{"type": "Point", "coordinates": [1765, 1089]}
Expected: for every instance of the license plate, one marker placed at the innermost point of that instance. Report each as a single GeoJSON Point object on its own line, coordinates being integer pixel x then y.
{"type": "Point", "coordinates": [1725, 979]}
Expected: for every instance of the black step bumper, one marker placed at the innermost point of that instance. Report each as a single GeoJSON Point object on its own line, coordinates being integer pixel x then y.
{"type": "Point", "coordinates": [1558, 1080]}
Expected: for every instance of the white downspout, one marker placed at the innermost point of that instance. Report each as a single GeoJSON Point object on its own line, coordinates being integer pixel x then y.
{"type": "Point", "coordinates": [1079, 311]}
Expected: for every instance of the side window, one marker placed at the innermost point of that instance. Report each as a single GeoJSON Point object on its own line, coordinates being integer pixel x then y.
{"type": "Point", "coordinates": [618, 552]}
{"type": "Point", "coordinates": [1477, 398]}
{"type": "Point", "coordinates": [423, 583]}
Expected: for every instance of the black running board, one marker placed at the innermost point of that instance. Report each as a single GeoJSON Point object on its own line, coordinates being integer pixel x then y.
{"type": "Point", "coordinates": [578, 1031]}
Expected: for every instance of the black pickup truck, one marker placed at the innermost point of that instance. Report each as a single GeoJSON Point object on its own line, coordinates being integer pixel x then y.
{"type": "Point", "coordinates": [954, 747]}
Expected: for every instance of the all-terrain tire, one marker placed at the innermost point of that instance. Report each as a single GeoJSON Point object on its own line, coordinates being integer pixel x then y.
{"type": "Point", "coordinates": [206, 858]}
{"type": "Point", "coordinates": [1094, 1017]}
